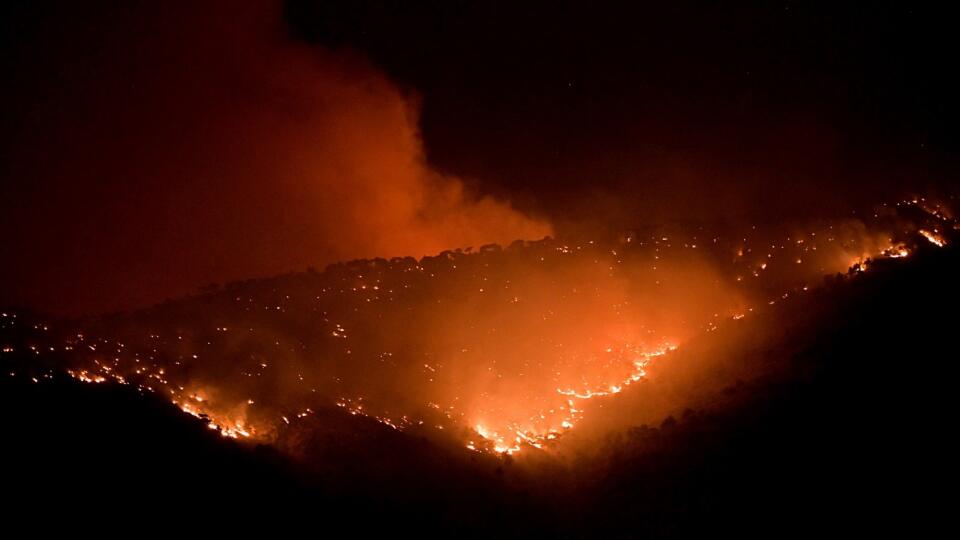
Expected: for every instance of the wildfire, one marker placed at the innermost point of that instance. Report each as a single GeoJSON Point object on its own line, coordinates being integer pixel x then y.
{"type": "Point", "coordinates": [83, 376]}
{"type": "Point", "coordinates": [516, 437]}
{"type": "Point", "coordinates": [508, 348]}
{"type": "Point", "coordinates": [934, 237]}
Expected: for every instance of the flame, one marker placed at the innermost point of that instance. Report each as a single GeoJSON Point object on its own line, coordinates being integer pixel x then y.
{"type": "Point", "coordinates": [537, 432]}
{"type": "Point", "coordinates": [933, 237]}
{"type": "Point", "coordinates": [514, 356]}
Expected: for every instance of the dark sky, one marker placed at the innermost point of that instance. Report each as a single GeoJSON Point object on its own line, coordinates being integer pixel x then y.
{"type": "Point", "coordinates": [772, 102]}
{"type": "Point", "coordinates": [150, 148]}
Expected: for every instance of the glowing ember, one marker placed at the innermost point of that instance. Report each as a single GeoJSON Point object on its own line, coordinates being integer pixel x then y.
{"type": "Point", "coordinates": [508, 348]}
{"type": "Point", "coordinates": [933, 237]}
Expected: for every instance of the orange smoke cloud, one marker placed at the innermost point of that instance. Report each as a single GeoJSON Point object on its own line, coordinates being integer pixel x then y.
{"type": "Point", "coordinates": [205, 145]}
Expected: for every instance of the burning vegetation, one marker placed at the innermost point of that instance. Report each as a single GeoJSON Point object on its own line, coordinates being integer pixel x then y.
{"type": "Point", "coordinates": [496, 350]}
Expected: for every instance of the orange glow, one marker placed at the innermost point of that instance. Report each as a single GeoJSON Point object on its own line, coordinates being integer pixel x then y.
{"type": "Point", "coordinates": [933, 237]}
{"type": "Point", "coordinates": [504, 349]}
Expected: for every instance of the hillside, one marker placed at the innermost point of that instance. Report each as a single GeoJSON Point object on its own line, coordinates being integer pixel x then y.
{"type": "Point", "coordinates": [851, 412]}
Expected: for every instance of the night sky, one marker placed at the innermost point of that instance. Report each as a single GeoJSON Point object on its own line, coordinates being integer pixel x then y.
{"type": "Point", "coordinates": [760, 101]}
{"type": "Point", "coordinates": [149, 149]}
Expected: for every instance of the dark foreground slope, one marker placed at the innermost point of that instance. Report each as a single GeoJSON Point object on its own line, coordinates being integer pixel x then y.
{"type": "Point", "coordinates": [854, 434]}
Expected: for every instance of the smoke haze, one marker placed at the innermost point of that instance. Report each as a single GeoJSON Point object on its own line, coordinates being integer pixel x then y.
{"type": "Point", "coordinates": [175, 145]}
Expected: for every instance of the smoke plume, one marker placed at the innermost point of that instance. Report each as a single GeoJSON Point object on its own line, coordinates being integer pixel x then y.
{"type": "Point", "coordinates": [203, 145]}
